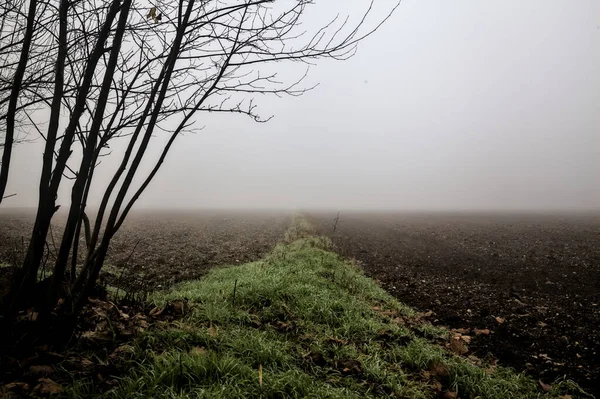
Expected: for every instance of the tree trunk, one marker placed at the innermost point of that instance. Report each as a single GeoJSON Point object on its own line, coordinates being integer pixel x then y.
{"type": "Point", "coordinates": [46, 204]}
{"type": "Point", "coordinates": [84, 174]}
{"type": "Point", "coordinates": [14, 97]}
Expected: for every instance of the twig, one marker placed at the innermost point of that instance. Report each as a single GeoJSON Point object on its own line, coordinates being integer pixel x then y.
{"type": "Point", "coordinates": [53, 244]}
{"type": "Point", "coordinates": [337, 218]}
{"type": "Point", "coordinates": [234, 292]}
{"type": "Point", "coordinates": [123, 269]}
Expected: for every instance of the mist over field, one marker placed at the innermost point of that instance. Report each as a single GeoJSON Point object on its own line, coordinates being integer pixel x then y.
{"type": "Point", "coordinates": [451, 105]}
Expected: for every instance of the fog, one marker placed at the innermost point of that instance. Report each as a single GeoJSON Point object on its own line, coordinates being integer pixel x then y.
{"type": "Point", "coordinates": [450, 105]}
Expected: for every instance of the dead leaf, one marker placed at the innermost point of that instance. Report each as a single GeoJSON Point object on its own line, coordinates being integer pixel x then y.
{"type": "Point", "coordinates": [151, 13]}
{"type": "Point", "coordinates": [17, 388]}
{"type": "Point", "coordinates": [32, 315]}
{"type": "Point", "coordinates": [466, 338]}
{"type": "Point", "coordinates": [474, 359]}
{"type": "Point", "coordinates": [123, 352]}
{"type": "Point", "coordinates": [458, 346]}
{"type": "Point", "coordinates": [544, 387]}
{"type": "Point", "coordinates": [500, 320]}
{"type": "Point", "coordinates": [123, 315]}
{"type": "Point", "coordinates": [179, 307]}
{"type": "Point", "coordinates": [97, 336]}
{"type": "Point", "coordinates": [156, 311]}
{"type": "Point", "coordinates": [39, 371]}
{"type": "Point", "coordinates": [284, 326]}
{"type": "Point", "coordinates": [212, 331]}
{"type": "Point", "coordinates": [438, 370]}
{"type": "Point", "coordinates": [376, 308]}
{"type": "Point", "coordinates": [46, 387]}
{"type": "Point", "coordinates": [485, 331]}
{"type": "Point", "coordinates": [542, 324]}
{"type": "Point", "coordinates": [389, 313]}
{"type": "Point", "coordinates": [143, 324]}
{"type": "Point", "coordinates": [337, 340]}
{"type": "Point", "coordinates": [86, 364]}
{"type": "Point", "coordinates": [351, 366]}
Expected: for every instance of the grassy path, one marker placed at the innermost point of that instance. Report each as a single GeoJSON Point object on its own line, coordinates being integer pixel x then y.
{"type": "Point", "coordinates": [304, 323]}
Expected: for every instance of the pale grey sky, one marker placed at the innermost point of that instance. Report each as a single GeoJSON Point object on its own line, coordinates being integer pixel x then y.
{"type": "Point", "coordinates": [451, 105]}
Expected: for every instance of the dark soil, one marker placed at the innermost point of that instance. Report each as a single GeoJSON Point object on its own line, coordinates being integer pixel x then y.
{"type": "Point", "coordinates": [532, 280]}
{"type": "Point", "coordinates": [155, 249]}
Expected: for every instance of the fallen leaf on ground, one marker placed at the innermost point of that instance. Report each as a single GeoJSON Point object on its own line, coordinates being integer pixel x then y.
{"type": "Point", "coordinates": [542, 324]}
{"type": "Point", "coordinates": [122, 352]}
{"type": "Point", "coordinates": [458, 346]}
{"type": "Point", "coordinates": [39, 371]}
{"type": "Point", "coordinates": [337, 340]}
{"type": "Point", "coordinates": [544, 387]}
{"type": "Point", "coordinates": [97, 336]}
{"type": "Point", "coordinates": [18, 388]}
{"type": "Point", "coordinates": [179, 307]}
{"type": "Point", "coordinates": [46, 387]}
{"type": "Point", "coordinates": [86, 364]}
{"type": "Point", "coordinates": [284, 326]}
{"type": "Point", "coordinates": [389, 313]}
{"type": "Point", "coordinates": [485, 331]}
{"type": "Point", "coordinates": [351, 366]}
{"type": "Point", "coordinates": [32, 315]}
{"type": "Point", "coordinates": [500, 320]}
{"type": "Point", "coordinates": [438, 370]}
{"type": "Point", "coordinates": [156, 312]}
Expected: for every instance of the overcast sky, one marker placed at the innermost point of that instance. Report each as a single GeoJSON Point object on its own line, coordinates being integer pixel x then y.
{"type": "Point", "coordinates": [451, 105]}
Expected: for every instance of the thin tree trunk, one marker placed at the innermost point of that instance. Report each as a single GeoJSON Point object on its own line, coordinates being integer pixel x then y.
{"type": "Point", "coordinates": [46, 204]}
{"type": "Point", "coordinates": [92, 268]}
{"type": "Point", "coordinates": [27, 276]}
{"type": "Point", "coordinates": [84, 174]}
{"type": "Point", "coordinates": [14, 97]}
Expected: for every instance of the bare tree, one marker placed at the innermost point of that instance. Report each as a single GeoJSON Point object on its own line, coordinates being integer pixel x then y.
{"type": "Point", "coordinates": [131, 73]}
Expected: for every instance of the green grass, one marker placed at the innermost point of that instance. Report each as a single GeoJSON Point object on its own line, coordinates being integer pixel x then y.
{"type": "Point", "coordinates": [315, 325]}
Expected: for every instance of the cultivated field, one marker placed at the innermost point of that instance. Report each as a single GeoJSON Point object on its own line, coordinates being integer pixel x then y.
{"type": "Point", "coordinates": [532, 280]}
{"type": "Point", "coordinates": [156, 249]}
{"type": "Point", "coordinates": [528, 283]}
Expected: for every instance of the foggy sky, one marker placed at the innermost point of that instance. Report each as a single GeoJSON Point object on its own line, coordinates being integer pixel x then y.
{"type": "Point", "coordinates": [451, 105]}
